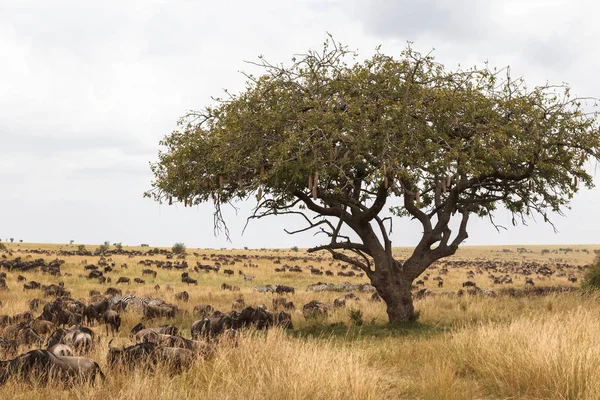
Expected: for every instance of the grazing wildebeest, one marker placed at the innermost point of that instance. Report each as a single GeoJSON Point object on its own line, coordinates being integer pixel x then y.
{"type": "Point", "coordinates": [238, 304]}
{"type": "Point", "coordinates": [137, 328]}
{"type": "Point", "coordinates": [279, 301]}
{"type": "Point", "coordinates": [529, 281]}
{"type": "Point", "coordinates": [164, 310]}
{"type": "Point", "coordinates": [282, 289]}
{"type": "Point", "coordinates": [34, 304]}
{"type": "Point", "coordinates": [203, 310]}
{"type": "Point", "coordinates": [469, 284]}
{"type": "Point", "coordinates": [80, 338]}
{"type": "Point", "coordinates": [284, 320]}
{"type": "Point", "coordinates": [337, 303]}
{"type": "Point", "coordinates": [27, 337]}
{"type": "Point", "coordinates": [111, 291]}
{"type": "Point", "coordinates": [41, 326]}
{"type": "Point", "coordinates": [211, 327]}
{"type": "Point", "coordinates": [31, 285]}
{"type": "Point", "coordinates": [124, 279]}
{"type": "Point", "coordinates": [139, 280]}
{"type": "Point", "coordinates": [8, 346]}
{"type": "Point", "coordinates": [62, 317]}
{"type": "Point", "coordinates": [149, 272]}
{"type": "Point", "coordinates": [137, 355]}
{"type": "Point", "coordinates": [153, 334]}
{"type": "Point", "coordinates": [314, 309]}
{"type": "Point", "coordinates": [42, 366]}
{"type": "Point", "coordinates": [59, 349]}
{"type": "Point", "coordinates": [182, 296]}
{"type": "Point", "coordinates": [113, 319]}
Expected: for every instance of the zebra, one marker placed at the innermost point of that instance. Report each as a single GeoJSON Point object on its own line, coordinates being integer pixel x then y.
{"type": "Point", "coordinates": [130, 300]}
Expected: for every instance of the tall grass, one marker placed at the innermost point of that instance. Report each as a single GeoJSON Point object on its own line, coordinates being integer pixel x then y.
{"type": "Point", "coordinates": [471, 347]}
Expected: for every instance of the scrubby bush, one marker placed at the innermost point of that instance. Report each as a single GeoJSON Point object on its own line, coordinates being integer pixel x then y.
{"type": "Point", "coordinates": [591, 279]}
{"type": "Point", "coordinates": [356, 316]}
{"type": "Point", "coordinates": [3, 246]}
{"type": "Point", "coordinates": [178, 248]}
{"type": "Point", "coordinates": [81, 248]}
{"type": "Point", "coordinates": [295, 248]}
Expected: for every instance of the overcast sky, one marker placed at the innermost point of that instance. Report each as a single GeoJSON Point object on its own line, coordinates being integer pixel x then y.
{"type": "Point", "coordinates": [88, 88]}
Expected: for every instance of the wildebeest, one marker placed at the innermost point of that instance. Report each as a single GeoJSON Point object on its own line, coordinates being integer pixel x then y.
{"type": "Point", "coordinates": [143, 334]}
{"type": "Point", "coordinates": [113, 319]}
{"type": "Point", "coordinates": [111, 291]}
{"type": "Point", "coordinates": [182, 296]}
{"type": "Point", "coordinates": [31, 285]}
{"type": "Point", "coordinates": [137, 355]}
{"type": "Point", "coordinates": [34, 304]}
{"type": "Point", "coordinates": [314, 309]}
{"type": "Point", "coordinates": [8, 346]}
{"type": "Point", "coordinates": [211, 327]}
{"type": "Point", "coordinates": [59, 349]}
{"type": "Point", "coordinates": [27, 337]}
{"type": "Point", "coordinates": [279, 301]}
{"type": "Point", "coordinates": [41, 327]}
{"type": "Point", "coordinates": [337, 303]}
{"type": "Point", "coordinates": [149, 272]}
{"type": "Point", "coordinates": [282, 289]}
{"type": "Point", "coordinates": [93, 311]}
{"type": "Point", "coordinates": [61, 317]}
{"type": "Point", "coordinates": [529, 281]}
{"type": "Point", "coordinates": [147, 355]}
{"type": "Point", "coordinates": [284, 320]}
{"type": "Point", "coordinates": [238, 304]}
{"type": "Point", "coordinates": [124, 279]}
{"type": "Point", "coordinates": [139, 280]}
{"type": "Point", "coordinates": [42, 365]}
{"type": "Point", "coordinates": [188, 280]}
{"type": "Point", "coordinates": [203, 310]}
{"type": "Point", "coordinates": [469, 284]}
{"type": "Point", "coordinates": [80, 338]}
{"type": "Point", "coordinates": [164, 310]}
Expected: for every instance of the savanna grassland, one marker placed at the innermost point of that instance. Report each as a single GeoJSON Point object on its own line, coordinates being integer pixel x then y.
{"type": "Point", "coordinates": [481, 346]}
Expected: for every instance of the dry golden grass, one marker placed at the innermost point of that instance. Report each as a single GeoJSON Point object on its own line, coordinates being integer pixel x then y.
{"type": "Point", "coordinates": [463, 348]}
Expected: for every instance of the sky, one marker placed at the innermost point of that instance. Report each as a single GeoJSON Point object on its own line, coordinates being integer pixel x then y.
{"type": "Point", "coordinates": [88, 89]}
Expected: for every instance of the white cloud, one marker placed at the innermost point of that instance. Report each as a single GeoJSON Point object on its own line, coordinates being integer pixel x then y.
{"type": "Point", "coordinates": [88, 90]}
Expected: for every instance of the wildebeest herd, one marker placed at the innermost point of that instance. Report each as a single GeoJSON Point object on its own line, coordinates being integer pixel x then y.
{"type": "Point", "coordinates": [53, 337]}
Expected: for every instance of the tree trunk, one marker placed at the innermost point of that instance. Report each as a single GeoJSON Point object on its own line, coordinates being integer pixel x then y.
{"type": "Point", "coordinates": [399, 301]}
{"type": "Point", "coordinates": [394, 289]}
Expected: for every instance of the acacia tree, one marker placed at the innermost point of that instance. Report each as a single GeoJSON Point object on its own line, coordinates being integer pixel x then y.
{"type": "Point", "coordinates": [339, 142]}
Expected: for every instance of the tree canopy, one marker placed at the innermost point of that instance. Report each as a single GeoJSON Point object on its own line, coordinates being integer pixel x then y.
{"type": "Point", "coordinates": [348, 139]}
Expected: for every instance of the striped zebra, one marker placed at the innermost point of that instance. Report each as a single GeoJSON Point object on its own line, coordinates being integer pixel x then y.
{"type": "Point", "coordinates": [135, 301]}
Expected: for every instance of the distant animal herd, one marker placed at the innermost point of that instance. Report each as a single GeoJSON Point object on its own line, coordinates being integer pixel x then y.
{"type": "Point", "coordinates": [59, 331]}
